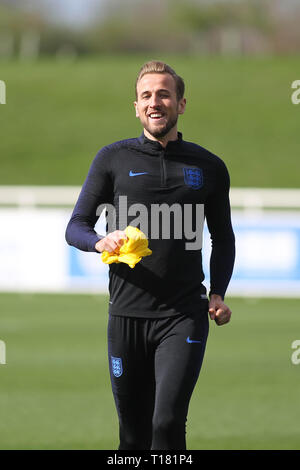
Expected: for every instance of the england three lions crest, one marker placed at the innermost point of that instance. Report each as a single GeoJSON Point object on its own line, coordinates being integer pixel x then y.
{"type": "Point", "coordinates": [193, 177]}
{"type": "Point", "coordinates": [116, 365]}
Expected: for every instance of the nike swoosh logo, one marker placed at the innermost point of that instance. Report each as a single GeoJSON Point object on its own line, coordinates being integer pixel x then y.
{"type": "Point", "coordinates": [131, 173]}
{"type": "Point", "coordinates": [188, 340]}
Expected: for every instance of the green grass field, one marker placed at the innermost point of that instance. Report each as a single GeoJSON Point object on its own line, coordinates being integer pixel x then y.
{"type": "Point", "coordinates": [55, 390]}
{"type": "Point", "coordinates": [59, 114]}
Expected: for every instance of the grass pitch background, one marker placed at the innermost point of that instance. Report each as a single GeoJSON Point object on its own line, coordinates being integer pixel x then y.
{"type": "Point", "coordinates": [59, 114]}
{"type": "Point", "coordinates": [55, 389]}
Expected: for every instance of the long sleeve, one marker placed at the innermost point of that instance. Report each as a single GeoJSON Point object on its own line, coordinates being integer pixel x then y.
{"type": "Point", "coordinates": [218, 217]}
{"type": "Point", "coordinates": [96, 190]}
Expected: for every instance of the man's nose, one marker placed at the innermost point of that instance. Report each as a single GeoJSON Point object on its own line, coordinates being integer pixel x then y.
{"type": "Point", "coordinates": [155, 101]}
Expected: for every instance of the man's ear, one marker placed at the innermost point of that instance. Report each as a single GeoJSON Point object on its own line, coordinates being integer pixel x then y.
{"type": "Point", "coordinates": [181, 106]}
{"type": "Point", "coordinates": [136, 109]}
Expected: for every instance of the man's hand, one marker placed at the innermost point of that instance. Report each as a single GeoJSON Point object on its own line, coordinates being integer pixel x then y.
{"type": "Point", "coordinates": [218, 311]}
{"type": "Point", "coordinates": [112, 242]}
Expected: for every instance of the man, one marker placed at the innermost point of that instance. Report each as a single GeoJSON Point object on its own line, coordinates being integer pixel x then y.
{"type": "Point", "coordinates": [158, 311]}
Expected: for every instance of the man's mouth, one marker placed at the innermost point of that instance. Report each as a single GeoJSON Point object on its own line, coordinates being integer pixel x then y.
{"type": "Point", "coordinates": [156, 116]}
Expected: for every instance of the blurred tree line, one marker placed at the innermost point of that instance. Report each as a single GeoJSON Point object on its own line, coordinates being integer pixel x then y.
{"type": "Point", "coordinates": [184, 26]}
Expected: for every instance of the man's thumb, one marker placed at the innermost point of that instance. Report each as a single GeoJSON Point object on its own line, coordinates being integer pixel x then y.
{"type": "Point", "coordinates": [212, 313]}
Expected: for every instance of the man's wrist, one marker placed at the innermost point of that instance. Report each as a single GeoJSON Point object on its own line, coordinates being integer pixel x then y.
{"type": "Point", "coordinates": [213, 296]}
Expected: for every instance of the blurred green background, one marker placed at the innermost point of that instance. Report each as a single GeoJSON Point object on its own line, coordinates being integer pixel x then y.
{"type": "Point", "coordinates": [60, 114]}
{"type": "Point", "coordinates": [70, 83]}
{"type": "Point", "coordinates": [70, 90]}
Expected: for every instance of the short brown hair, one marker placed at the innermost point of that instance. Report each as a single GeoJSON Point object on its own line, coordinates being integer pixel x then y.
{"type": "Point", "coordinates": [156, 66]}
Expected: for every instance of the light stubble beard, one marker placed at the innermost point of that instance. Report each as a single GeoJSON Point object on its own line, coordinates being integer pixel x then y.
{"type": "Point", "coordinates": [159, 133]}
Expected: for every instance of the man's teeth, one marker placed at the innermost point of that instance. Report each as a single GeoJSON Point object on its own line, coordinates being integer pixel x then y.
{"type": "Point", "coordinates": [156, 115]}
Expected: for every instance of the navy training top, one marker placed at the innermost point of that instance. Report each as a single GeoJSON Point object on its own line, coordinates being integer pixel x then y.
{"type": "Point", "coordinates": [182, 175]}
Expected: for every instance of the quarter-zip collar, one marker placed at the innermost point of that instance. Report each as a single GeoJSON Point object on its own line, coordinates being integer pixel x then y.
{"type": "Point", "coordinates": [155, 145]}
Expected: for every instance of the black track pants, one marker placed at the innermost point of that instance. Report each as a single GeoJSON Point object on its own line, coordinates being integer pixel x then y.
{"type": "Point", "coordinates": [154, 366]}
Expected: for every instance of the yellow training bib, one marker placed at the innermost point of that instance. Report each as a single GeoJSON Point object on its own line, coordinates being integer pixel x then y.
{"type": "Point", "coordinates": [132, 250]}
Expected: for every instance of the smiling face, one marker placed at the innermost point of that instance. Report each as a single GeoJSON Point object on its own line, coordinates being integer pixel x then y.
{"type": "Point", "coordinates": [157, 106]}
